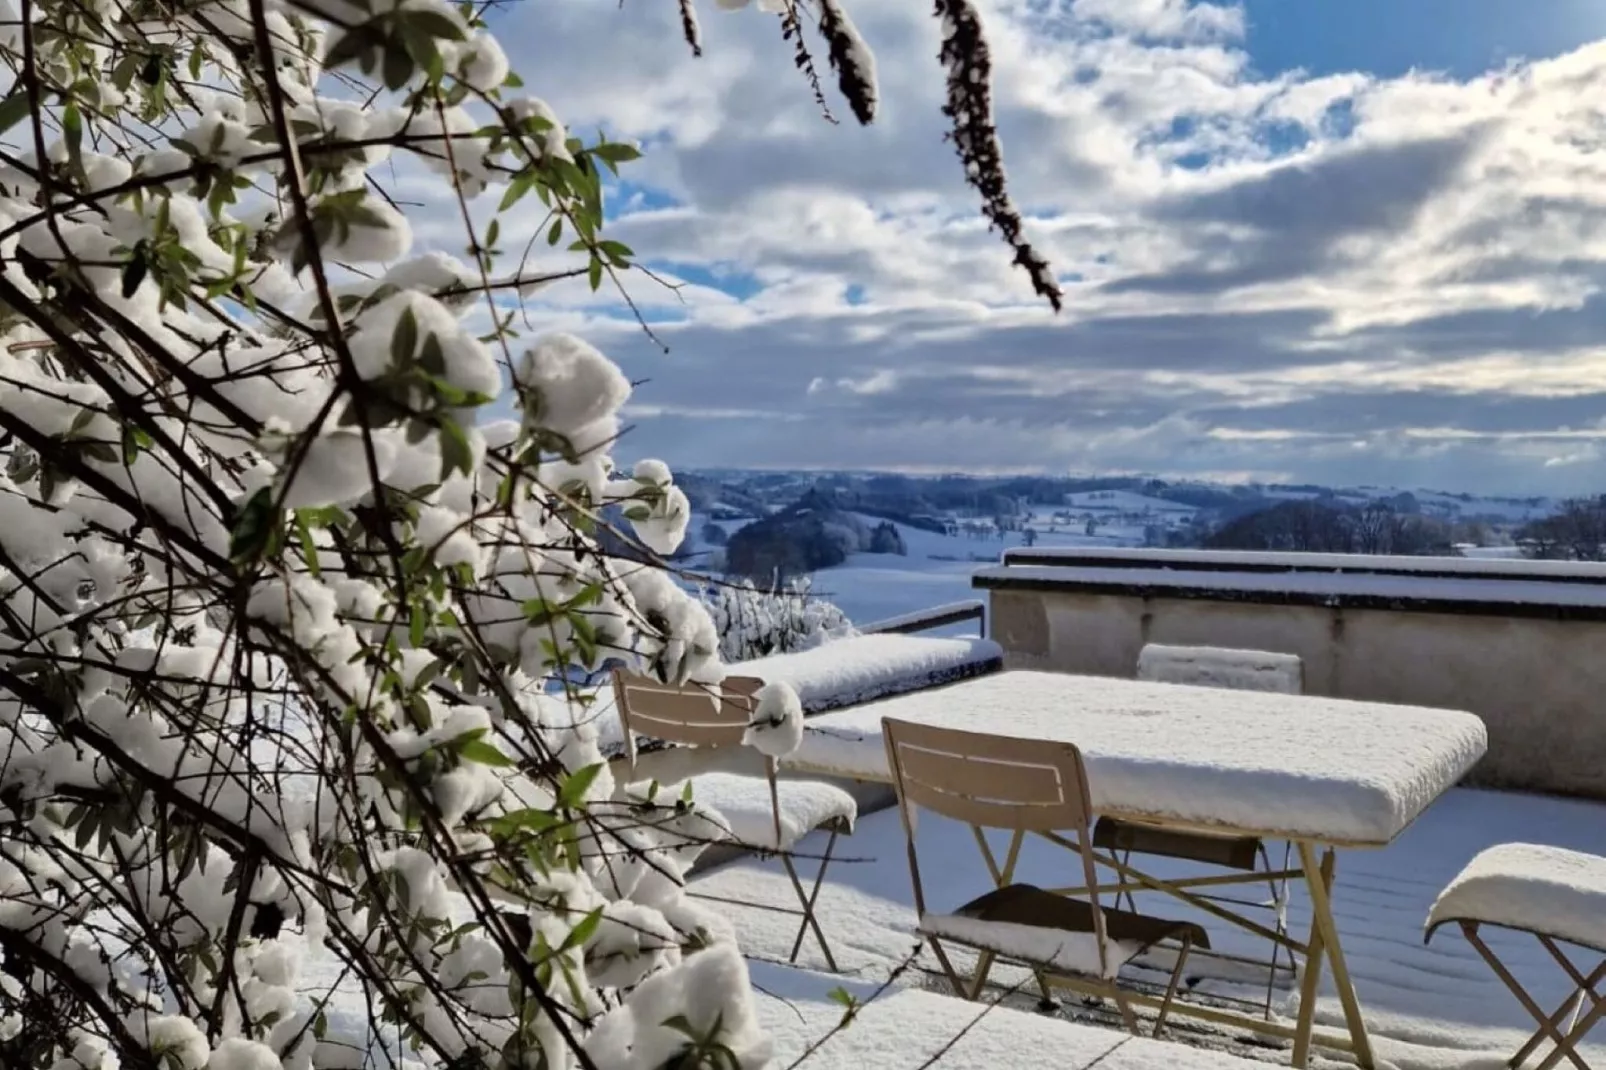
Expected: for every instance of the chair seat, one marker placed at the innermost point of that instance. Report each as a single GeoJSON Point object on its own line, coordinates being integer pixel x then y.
{"type": "Point", "coordinates": [744, 804]}
{"type": "Point", "coordinates": [1038, 927]}
{"type": "Point", "coordinates": [1231, 852]}
{"type": "Point", "coordinates": [1545, 890]}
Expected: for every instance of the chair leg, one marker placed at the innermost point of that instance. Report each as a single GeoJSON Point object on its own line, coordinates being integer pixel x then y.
{"type": "Point", "coordinates": [984, 966]}
{"type": "Point", "coordinates": [809, 920]}
{"type": "Point", "coordinates": [947, 966]}
{"type": "Point", "coordinates": [1131, 902]}
{"type": "Point", "coordinates": [808, 901]}
{"type": "Point", "coordinates": [1279, 898]}
{"type": "Point", "coordinates": [1171, 989]}
{"type": "Point", "coordinates": [1048, 1003]}
{"type": "Point", "coordinates": [1565, 1044]}
{"type": "Point", "coordinates": [1128, 1015]}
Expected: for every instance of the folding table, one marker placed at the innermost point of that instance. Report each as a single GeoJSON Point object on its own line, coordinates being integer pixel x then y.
{"type": "Point", "coordinates": [1320, 773]}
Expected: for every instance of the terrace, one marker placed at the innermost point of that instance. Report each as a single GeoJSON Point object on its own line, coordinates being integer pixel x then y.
{"type": "Point", "coordinates": [1509, 642]}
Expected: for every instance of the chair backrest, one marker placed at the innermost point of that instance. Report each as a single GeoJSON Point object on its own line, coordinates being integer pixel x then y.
{"type": "Point", "coordinates": [1238, 670]}
{"type": "Point", "coordinates": [988, 781]}
{"type": "Point", "coordinates": [697, 715]}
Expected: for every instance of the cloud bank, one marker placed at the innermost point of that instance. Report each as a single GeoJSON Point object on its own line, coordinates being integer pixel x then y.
{"type": "Point", "coordinates": [1343, 277]}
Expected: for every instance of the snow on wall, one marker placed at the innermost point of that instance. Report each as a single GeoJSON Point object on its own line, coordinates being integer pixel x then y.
{"type": "Point", "coordinates": [1156, 560]}
{"type": "Point", "coordinates": [1401, 586]}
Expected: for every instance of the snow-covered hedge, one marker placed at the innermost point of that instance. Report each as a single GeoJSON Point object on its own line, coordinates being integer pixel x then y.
{"type": "Point", "coordinates": [280, 784]}
{"type": "Point", "coordinates": [753, 622]}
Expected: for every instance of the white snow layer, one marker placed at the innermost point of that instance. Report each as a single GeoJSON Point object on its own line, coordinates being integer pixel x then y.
{"type": "Point", "coordinates": [1326, 769]}
{"type": "Point", "coordinates": [866, 667]}
{"type": "Point", "coordinates": [1538, 889]}
{"type": "Point", "coordinates": [744, 803]}
{"type": "Point", "coordinates": [1208, 666]}
{"type": "Point", "coordinates": [1063, 950]}
{"type": "Point", "coordinates": [1434, 1007]}
{"type": "Point", "coordinates": [858, 668]}
{"type": "Point", "coordinates": [1399, 586]}
{"type": "Point", "coordinates": [906, 1029]}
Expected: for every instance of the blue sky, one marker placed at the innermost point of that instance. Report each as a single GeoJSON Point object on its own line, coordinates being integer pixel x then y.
{"type": "Point", "coordinates": [1390, 37]}
{"type": "Point", "coordinates": [1337, 240]}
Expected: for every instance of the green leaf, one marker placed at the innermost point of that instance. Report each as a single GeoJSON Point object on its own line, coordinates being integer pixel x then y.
{"type": "Point", "coordinates": [532, 819]}
{"type": "Point", "coordinates": [309, 552]}
{"type": "Point", "coordinates": [416, 626]}
{"type": "Point", "coordinates": [131, 443]}
{"type": "Point", "coordinates": [516, 190]}
{"type": "Point", "coordinates": [556, 233]}
{"type": "Point", "coordinates": [582, 931]}
{"type": "Point", "coordinates": [572, 792]}
{"type": "Point", "coordinates": [842, 996]}
{"type": "Point", "coordinates": [398, 67]}
{"type": "Point", "coordinates": [456, 454]}
{"type": "Point", "coordinates": [72, 131]}
{"type": "Point", "coordinates": [134, 271]}
{"type": "Point", "coordinates": [254, 527]}
{"type": "Point", "coordinates": [405, 339]}
{"type": "Point", "coordinates": [13, 110]}
{"type": "Point", "coordinates": [615, 152]}
{"type": "Point", "coordinates": [594, 273]}
{"type": "Point", "coordinates": [433, 23]}
{"type": "Point", "coordinates": [483, 753]}
{"type": "Point", "coordinates": [432, 357]}
{"type": "Point", "coordinates": [124, 73]}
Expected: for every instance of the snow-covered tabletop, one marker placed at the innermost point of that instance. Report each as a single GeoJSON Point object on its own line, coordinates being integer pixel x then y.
{"type": "Point", "coordinates": [1326, 770]}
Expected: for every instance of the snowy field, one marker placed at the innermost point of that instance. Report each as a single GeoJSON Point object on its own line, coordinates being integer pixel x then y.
{"type": "Point", "coordinates": [936, 570]}
{"type": "Point", "coordinates": [1432, 1007]}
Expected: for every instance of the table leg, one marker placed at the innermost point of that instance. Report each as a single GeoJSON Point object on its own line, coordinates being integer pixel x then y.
{"type": "Point", "coordinates": [1323, 925]}
{"type": "Point", "coordinates": [1311, 981]}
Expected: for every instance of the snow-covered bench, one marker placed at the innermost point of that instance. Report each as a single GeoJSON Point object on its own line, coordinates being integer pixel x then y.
{"type": "Point", "coordinates": [1554, 894]}
{"type": "Point", "coordinates": [849, 671]}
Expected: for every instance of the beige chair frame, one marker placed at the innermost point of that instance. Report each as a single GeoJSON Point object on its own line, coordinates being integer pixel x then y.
{"type": "Point", "coordinates": [1024, 786]}
{"type": "Point", "coordinates": [1579, 1022]}
{"type": "Point", "coordinates": [699, 716]}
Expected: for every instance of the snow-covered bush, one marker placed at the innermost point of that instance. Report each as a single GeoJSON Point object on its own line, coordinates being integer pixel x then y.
{"type": "Point", "coordinates": [753, 621]}
{"type": "Point", "coordinates": [280, 786]}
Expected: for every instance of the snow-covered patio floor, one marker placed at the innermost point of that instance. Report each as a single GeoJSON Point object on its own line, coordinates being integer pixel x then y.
{"type": "Point", "coordinates": [1427, 1007]}
{"type": "Point", "coordinates": [907, 1029]}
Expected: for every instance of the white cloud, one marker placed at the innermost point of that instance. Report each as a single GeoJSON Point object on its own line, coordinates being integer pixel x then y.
{"type": "Point", "coordinates": [1308, 276]}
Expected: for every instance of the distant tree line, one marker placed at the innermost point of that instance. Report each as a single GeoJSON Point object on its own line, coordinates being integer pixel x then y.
{"type": "Point", "coordinates": [1336, 528]}
{"type": "Point", "coordinates": [1575, 532]}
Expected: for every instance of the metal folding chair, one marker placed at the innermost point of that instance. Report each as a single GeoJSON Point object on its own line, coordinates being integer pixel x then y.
{"type": "Point", "coordinates": [699, 716]}
{"type": "Point", "coordinates": [1024, 786]}
{"type": "Point", "coordinates": [1554, 895]}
